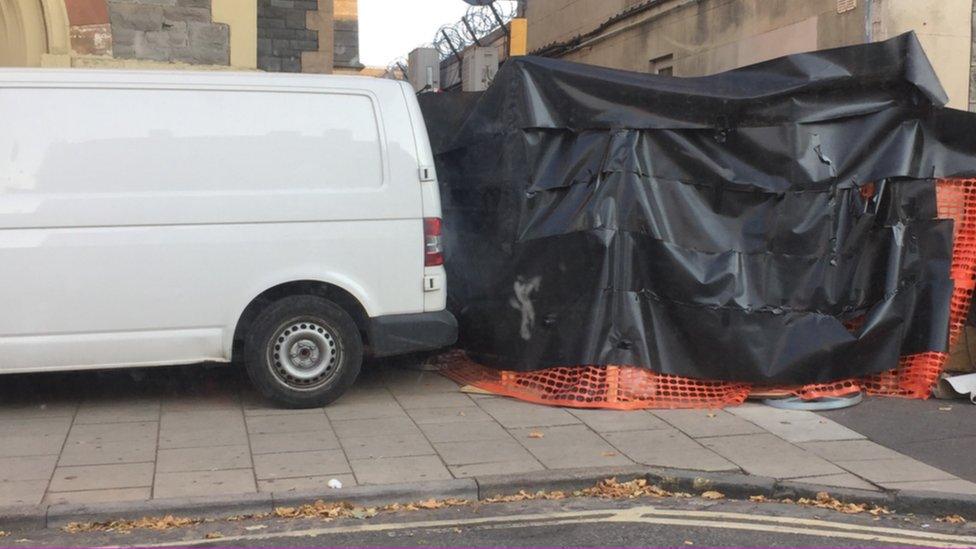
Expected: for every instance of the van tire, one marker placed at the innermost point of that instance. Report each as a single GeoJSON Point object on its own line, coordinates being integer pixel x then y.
{"type": "Point", "coordinates": [303, 351]}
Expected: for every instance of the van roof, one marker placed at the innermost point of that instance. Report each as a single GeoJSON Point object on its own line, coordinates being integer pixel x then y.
{"type": "Point", "coordinates": [15, 77]}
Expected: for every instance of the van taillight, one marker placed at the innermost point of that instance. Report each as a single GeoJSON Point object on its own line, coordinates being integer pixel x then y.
{"type": "Point", "coordinates": [433, 249]}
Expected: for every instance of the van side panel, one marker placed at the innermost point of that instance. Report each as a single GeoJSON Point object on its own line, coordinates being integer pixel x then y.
{"type": "Point", "coordinates": [136, 224]}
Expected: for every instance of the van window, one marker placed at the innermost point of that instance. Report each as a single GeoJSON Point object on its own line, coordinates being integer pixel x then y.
{"type": "Point", "coordinates": [121, 140]}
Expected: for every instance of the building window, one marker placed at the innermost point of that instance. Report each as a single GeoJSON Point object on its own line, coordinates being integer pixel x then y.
{"type": "Point", "coordinates": [663, 65]}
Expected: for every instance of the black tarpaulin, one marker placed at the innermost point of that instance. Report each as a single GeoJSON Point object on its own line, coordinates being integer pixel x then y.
{"type": "Point", "coordinates": [771, 224]}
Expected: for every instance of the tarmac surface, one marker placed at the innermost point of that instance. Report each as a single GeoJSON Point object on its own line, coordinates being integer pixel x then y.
{"type": "Point", "coordinates": [941, 433]}
{"type": "Point", "coordinates": [569, 522]}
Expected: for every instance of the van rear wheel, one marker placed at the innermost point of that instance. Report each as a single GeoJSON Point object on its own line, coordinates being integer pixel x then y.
{"type": "Point", "coordinates": [303, 351]}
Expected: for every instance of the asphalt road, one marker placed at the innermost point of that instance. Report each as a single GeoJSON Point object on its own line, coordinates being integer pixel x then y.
{"type": "Point", "coordinates": [941, 433]}
{"type": "Point", "coordinates": [570, 522]}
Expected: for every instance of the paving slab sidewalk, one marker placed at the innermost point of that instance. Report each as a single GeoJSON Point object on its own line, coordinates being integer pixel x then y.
{"type": "Point", "coordinates": [201, 431]}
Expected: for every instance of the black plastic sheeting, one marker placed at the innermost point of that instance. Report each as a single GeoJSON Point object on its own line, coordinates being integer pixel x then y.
{"type": "Point", "coordinates": [723, 228]}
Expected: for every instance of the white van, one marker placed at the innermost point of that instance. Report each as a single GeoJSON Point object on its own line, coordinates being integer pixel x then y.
{"type": "Point", "coordinates": [288, 222]}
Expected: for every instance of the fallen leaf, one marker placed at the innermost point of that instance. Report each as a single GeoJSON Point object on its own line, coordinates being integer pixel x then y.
{"type": "Point", "coordinates": [214, 535]}
{"type": "Point", "coordinates": [526, 496]}
{"type": "Point", "coordinates": [826, 501]}
{"type": "Point", "coordinates": [758, 499]}
{"type": "Point", "coordinates": [945, 408]}
{"type": "Point", "coordinates": [712, 494]}
{"type": "Point", "coordinates": [429, 504]}
{"type": "Point", "coordinates": [711, 414]}
{"type": "Point", "coordinates": [689, 542]}
{"type": "Point", "coordinates": [3, 534]}
{"type": "Point", "coordinates": [609, 454]}
{"type": "Point", "coordinates": [536, 434]}
{"type": "Point", "coordinates": [952, 519]}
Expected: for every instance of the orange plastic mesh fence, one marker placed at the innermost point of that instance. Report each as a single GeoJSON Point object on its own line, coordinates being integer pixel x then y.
{"type": "Point", "coordinates": [627, 387]}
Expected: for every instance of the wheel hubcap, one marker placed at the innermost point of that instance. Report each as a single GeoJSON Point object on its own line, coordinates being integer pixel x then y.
{"type": "Point", "coordinates": [304, 354]}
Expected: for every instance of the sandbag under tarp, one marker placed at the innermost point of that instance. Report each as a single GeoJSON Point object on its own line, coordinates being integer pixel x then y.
{"type": "Point", "coordinates": [772, 224]}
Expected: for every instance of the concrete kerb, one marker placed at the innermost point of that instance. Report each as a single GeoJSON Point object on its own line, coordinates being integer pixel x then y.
{"type": "Point", "coordinates": [59, 515]}
{"type": "Point", "coordinates": [733, 485]}
{"type": "Point", "coordinates": [23, 517]}
{"type": "Point", "coordinates": [382, 494]}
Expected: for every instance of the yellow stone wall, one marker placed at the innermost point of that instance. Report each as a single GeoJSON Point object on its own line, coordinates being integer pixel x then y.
{"type": "Point", "coordinates": [699, 37]}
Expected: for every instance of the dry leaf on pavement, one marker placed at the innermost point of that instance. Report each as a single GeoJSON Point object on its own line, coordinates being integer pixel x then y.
{"type": "Point", "coordinates": [536, 434]}
{"type": "Point", "coordinates": [712, 494]}
{"type": "Point", "coordinates": [214, 535]}
{"type": "Point", "coordinates": [825, 501]}
{"type": "Point", "coordinates": [952, 519]}
{"type": "Point", "coordinates": [526, 496]}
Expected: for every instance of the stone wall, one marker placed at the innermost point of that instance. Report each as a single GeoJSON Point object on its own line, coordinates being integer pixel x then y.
{"type": "Point", "coordinates": [168, 30]}
{"type": "Point", "coordinates": [972, 65]}
{"type": "Point", "coordinates": [346, 34]}
{"type": "Point", "coordinates": [283, 34]}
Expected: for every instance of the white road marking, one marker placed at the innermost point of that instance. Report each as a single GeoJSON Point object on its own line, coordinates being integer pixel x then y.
{"type": "Point", "coordinates": [641, 514]}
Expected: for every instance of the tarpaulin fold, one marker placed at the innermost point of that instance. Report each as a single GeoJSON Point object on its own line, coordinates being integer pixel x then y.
{"type": "Point", "coordinates": [771, 224]}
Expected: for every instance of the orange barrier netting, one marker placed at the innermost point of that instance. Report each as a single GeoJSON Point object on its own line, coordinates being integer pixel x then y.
{"type": "Point", "coordinates": [627, 387]}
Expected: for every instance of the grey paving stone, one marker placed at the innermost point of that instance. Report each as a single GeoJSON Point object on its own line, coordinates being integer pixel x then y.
{"type": "Point", "coordinates": [300, 464]}
{"type": "Point", "coordinates": [387, 406]}
{"type": "Point", "coordinates": [411, 444]}
{"type": "Point", "coordinates": [956, 486]}
{"type": "Point", "coordinates": [31, 445]}
{"type": "Point", "coordinates": [201, 403]}
{"type": "Point", "coordinates": [294, 442]}
{"type": "Point", "coordinates": [570, 446]}
{"type": "Point", "coordinates": [140, 431]}
{"type": "Point", "coordinates": [204, 418]}
{"type": "Point", "coordinates": [256, 405]}
{"type": "Point", "coordinates": [110, 411]}
{"type": "Point", "coordinates": [38, 409]}
{"type": "Point", "coordinates": [296, 423]}
{"type": "Point", "coordinates": [27, 468]}
{"type": "Point", "coordinates": [98, 496]}
{"type": "Point", "coordinates": [467, 414]}
{"type": "Point", "coordinates": [843, 480]}
{"type": "Point", "coordinates": [903, 469]}
{"type": "Point", "coordinates": [374, 427]}
{"type": "Point", "coordinates": [608, 421]}
{"type": "Point", "coordinates": [464, 431]}
{"type": "Point", "coordinates": [850, 450]}
{"type": "Point", "coordinates": [22, 492]}
{"type": "Point", "coordinates": [105, 453]}
{"type": "Point", "coordinates": [435, 400]}
{"type": "Point", "coordinates": [794, 425]}
{"type": "Point", "coordinates": [214, 458]}
{"type": "Point", "coordinates": [402, 381]}
{"type": "Point", "coordinates": [399, 469]}
{"type": "Point", "coordinates": [200, 437]}
{"type": "Point", "coordinates": [668, 448]}
{"type": "Point", "coordinates": [496, 468]}
{"type": "Point", "coordinates": [513, 414]}
{"type": "Point", "coordinates": [102, 477]}
{"type": "Point", "coordinates": [769, 456]}
{"type": "Point", "coordinates": [34, 427]}
{"type": "Point", "coordinates": [708, 423]}
{"type": "Point", "coordinates": [204, 483]}
{"type": "Point", "coordinates": [482, 451]}
{"type": "Point", "coordinates": [306, 484]}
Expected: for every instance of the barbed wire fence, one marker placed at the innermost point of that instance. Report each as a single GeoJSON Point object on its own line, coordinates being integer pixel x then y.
{"type": "Point", "coordinates": [473, 29]}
